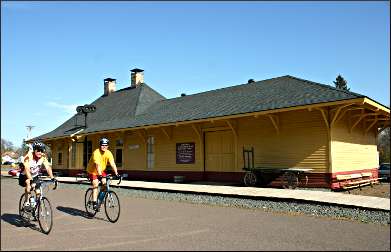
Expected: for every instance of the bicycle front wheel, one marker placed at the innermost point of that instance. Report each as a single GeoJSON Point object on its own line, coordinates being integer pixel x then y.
{"type": "Point", "coordinates": [112, 206]}
{"type": "Point", "coordinates": [45, 215]}
{"type": "Point", "coordinates": [88, 203]}
{"type": "Point", "coordinates": [22, 211]}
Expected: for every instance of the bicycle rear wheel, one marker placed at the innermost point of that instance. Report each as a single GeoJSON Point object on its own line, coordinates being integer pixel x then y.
{"type": "Point", "coordinates": [88, 203]}
{"type": "Point", "coordinates": [112, 206]}
{"type": "Point", "coordinates": [45, 215]}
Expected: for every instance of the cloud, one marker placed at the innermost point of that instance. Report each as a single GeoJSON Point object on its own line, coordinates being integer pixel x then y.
{"type": "Point", "coordinates": [70, 109]}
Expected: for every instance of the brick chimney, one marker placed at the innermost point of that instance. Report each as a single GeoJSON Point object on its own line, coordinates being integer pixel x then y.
{"type": "Point", "coordinates": [109, 86]}
{"type": "Point", "coordinates": [136, 77]}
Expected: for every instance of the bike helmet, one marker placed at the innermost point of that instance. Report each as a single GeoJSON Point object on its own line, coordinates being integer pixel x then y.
{"type": "Point", "coordinates": [39, 146]}
{"type": "Point", "coordinates": [104, 141]}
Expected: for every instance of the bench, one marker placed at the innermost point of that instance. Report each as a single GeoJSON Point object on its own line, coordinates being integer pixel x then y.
{"type": "Point", "coordinates": [367, 178]}
{"type": "Point", "coordinates": [348, 181]}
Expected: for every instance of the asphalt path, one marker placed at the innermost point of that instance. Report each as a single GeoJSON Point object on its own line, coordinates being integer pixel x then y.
{"type": "Point", "coordinates": [148, 224]}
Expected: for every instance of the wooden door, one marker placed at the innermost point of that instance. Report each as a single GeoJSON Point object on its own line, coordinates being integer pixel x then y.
{"type": "Point", "coordinates": [219, 151]}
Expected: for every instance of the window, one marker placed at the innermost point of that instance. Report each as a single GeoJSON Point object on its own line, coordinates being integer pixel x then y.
{"type": "Point", "coordinates": [150, 152]}
{"type": "Point", "coordinates": [87, 152]}
{"type": "Point", "coordinates": [73, 160]}
{"type": "Point", "coordinates": [118, 157]}
{"type": "Point", "coordinates": [59, 158]}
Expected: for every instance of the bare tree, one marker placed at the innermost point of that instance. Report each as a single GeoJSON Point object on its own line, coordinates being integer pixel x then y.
{"type": "Point", "coordinates": [6, 145]}
{"type": "Point", "coordinates": [383, 146]}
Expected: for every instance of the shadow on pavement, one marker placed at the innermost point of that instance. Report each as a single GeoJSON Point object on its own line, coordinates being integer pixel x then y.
{"type": "Point", "coordinates": [16, 220]}
{"type": "Point", "coordinates": [73, 211]}
{"type": "Point", "coordinates": [76, 212]}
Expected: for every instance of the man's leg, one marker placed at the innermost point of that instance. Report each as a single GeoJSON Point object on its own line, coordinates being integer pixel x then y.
{"type": "Point", "coordinates": [95, 184]}
{"type": "Point", "coordinates": [27, 190]}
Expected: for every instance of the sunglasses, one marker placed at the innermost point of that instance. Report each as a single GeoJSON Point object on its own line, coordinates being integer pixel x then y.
{"type": "Point", "coordinates": [39, 150]}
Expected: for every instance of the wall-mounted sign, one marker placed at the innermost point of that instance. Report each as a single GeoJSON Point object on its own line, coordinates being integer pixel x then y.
{"type": "Point", "coordinates": [133, 146]}
{"type": "Point", "coordinates": [185, 153]}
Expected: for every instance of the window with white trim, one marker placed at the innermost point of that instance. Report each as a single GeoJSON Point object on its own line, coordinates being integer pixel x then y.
{"type": "Point", "coordinates": [150, 152]}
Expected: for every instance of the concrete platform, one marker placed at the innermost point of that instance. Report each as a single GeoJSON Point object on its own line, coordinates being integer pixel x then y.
{"type": "Point", "coordinates": [254, 192]}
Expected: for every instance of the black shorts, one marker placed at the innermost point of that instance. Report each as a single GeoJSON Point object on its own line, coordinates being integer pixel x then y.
{"type": "Point", "coordinates": [22, 180]}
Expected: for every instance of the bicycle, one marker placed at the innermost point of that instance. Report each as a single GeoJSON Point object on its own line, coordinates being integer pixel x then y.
{"type": "Point", "coordinates": [40, 209]}
{"type": "Point", "coordinates": [109, 197]}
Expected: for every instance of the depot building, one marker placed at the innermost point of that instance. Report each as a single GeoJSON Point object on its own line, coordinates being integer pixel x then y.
{"type": "Point", "coordinates": [285, 122]}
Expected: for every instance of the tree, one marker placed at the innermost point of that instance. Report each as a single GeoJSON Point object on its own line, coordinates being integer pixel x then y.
{"type": "Point", "coordinates": [341, 83]}
{"type": "Point", "coordinates": [383, 145]}
{"type": "Point", "coordinates": [6, 145]}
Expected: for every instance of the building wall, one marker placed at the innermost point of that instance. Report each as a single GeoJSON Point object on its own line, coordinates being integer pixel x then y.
{"type": "Point", "coordinates": [355, 150]}
{"type": "Point", "coordinates": [301, 141]}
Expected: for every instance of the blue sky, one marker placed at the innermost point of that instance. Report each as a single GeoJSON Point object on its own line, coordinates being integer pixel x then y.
{"type": "Point", "coordinates": [55, 55]}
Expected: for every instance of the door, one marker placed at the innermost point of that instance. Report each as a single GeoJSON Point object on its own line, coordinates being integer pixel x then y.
{"type": "Point", "coordinates": [219, 151]}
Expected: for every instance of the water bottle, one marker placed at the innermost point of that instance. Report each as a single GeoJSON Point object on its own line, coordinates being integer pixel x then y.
{"type": "Point", "coordinates": [32, 202]}
{"type": "Point", "coordinates": [101, 196]}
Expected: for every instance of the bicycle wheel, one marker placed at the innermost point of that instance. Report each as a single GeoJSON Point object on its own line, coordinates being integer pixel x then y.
{"type": "Point", "coordinates": [88, 203]}
{"type": "Point", "coordinates": [290, 180]}
{"type": "Point", "coordinates": [112, 206]}
{"type": "Point", "coordinates": [22, 211]}
{"type": "Point", "coordinates": [45, 215]}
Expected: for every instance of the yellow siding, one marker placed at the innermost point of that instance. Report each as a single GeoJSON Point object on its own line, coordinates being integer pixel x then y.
{"type": "Point", "coordinates": [301, 142]}
{"type": "Point", "coordinates": [353, 150]}
{"type": "Point", "coordinates": [165, 149]}
{"type": "Point", "coordinates": [60, 147]}
{"type": "Point", "coordinates": [134, 154]}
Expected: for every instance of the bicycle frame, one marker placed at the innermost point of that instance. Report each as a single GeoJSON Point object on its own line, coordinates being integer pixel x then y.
{"type": "Point", "coordinates": [107, 185]}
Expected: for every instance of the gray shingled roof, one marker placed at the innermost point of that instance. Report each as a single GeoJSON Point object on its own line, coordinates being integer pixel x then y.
{"type": "Point", "coordinates": [134, 107]}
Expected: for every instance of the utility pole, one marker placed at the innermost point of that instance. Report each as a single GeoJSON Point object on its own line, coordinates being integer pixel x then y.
{"type": "Point", "coordinates": [29, 128]}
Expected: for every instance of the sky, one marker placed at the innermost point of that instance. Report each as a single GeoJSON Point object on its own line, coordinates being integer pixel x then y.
{"type": "Point", "coordinates": [55, 55]}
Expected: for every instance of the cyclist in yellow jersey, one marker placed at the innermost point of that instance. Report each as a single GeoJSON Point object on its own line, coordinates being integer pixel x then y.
{"type": "Point", "coordinates": [97, 165]}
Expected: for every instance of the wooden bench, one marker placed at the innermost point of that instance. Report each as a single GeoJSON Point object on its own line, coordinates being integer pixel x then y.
{"type": "Point", "coordinates": [354, 180]}
{"type": "Point", "coordinates": [368, 178]}
{"type": "Point", "coordinates": [349, 181]}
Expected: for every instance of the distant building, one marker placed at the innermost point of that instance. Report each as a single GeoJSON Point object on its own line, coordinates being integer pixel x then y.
{"type": "Point", "coordinates": [285, 121]}
{"type": "Point", "coordinates": [9, 156]}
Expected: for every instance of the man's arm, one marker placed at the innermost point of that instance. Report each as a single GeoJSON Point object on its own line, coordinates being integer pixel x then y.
{"type": "Point", "coordinates": [27, 169]}
{"type": "Point", "coordinates": [97, 167]}
{"type": "Point", "coordinates": [112, 164]}
{"type": "Point", "coordinates": [48, 168]}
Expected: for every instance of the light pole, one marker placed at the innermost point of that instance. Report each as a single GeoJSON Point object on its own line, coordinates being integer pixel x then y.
{"type": "Point", "coordinates": [29, 128]}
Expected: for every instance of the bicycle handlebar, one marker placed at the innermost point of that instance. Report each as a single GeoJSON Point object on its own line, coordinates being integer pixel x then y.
{"type": "Point", "coordinates": [108, 176]}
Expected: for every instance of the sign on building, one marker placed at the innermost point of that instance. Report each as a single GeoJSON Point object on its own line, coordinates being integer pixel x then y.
{"type": "Point", "coordinates": [185, 153]}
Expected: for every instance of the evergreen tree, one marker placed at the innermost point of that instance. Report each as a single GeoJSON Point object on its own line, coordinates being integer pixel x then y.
{"type": "Point", "coordinates": [341, 83]}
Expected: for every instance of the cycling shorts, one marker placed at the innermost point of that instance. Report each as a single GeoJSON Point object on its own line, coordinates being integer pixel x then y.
{"type": "Point", "coordinates": [95, 176]}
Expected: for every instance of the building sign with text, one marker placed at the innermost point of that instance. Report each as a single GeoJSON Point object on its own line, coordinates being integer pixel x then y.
{"type": "Point", "coordinates": [185, 153]}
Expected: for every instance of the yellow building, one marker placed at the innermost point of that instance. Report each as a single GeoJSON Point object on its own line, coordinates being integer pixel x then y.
{"type": "Point", "coordinates": [286, 122]}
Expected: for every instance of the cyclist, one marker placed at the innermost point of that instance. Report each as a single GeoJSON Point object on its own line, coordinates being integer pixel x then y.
{"type": "Point", "coordinates": [97, 165]}
{"type": "Point", "coordinates": [33, 162]}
